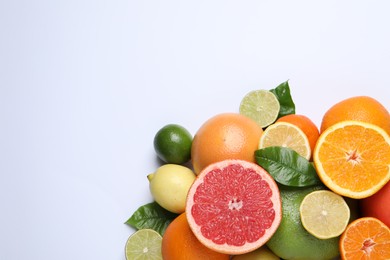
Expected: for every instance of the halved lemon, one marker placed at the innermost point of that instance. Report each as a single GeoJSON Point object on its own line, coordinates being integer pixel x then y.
{"type": "Point", "coordinates": [286, 135]}
{"type": "Point", "coordinates": [324, 214]}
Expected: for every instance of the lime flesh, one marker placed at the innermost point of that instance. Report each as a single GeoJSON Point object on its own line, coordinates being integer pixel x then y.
{"type": "Point", "coordinates": [260, 105]}
{"type": "Point", "coordinates": [144, 244]}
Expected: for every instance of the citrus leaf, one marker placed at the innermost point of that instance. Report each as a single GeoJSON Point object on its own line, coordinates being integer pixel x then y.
{"type": "Point", "coordinates": [151, 216]}
{"type": "Point", "coordinates": [282, 92]}
{"type": "Point", "coordinates": [287, 167]}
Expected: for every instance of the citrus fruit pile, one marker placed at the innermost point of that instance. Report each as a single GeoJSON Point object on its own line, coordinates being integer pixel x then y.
{"type": "Point", "coordinates": [267, 183]}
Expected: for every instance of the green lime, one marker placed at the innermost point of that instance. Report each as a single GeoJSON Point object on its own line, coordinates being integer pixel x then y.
{"type": "Point", "coordinates": [172, 144]}
{"type": "Point", "coordinates": [144, 244]}
{"type": "Point", "coordinates": [260, 105]}
{"type": "Point", "coordinates": [291, 240]}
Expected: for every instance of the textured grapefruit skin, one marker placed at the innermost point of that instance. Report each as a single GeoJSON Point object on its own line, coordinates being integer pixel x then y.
{"type": "Point", "coordinates": [225, 136]}
{"type": "Point", "coordinates": [234, 207]}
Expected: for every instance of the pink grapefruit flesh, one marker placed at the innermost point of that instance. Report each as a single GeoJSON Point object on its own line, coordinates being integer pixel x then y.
{"type": "Point", "coordinates": [234, 207]}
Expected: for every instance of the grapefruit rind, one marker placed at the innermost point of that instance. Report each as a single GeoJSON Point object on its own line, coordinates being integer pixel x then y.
{"type": "Point", "coordinates": [248, 246]}
{"type": "Point", "coordinates": [324, 175]}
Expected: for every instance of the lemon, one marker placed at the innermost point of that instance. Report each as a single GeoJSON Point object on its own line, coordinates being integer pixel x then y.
{"type": "Point", "coordinates": [169, 186]}
{"type": "Point", "coordinates": [144, 244]}
{"type": "Point", "coordinates": [286, 135]}
{"type": "Point", "coordinates": [172, 144]}
{"type": "Point", "coordinates": [262, 106]}
{"type": "Point", "coordinates": [324, 214]}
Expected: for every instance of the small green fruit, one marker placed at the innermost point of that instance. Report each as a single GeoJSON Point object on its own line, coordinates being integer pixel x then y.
{"type": "Point", "coordinates": [172, 144]}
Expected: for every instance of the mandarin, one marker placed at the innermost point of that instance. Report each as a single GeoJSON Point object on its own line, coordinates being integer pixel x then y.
{"type": "Point", "coordinates": [359, 108]}
{"type": "Point", "coordinates": [305, 124]}
{"type": "Point", "coordinates": [180, 243]}
{"type": "Point", "coordinates": [225, 136]}
{"type": "Point", "coordinates": [365, 238]}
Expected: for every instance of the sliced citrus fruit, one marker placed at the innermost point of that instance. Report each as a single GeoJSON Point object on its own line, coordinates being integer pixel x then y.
{"type": "Point", "coordinates": [260, 105]}
{"type": "Point", "coordinates": [365, 238]}
{"type": "Point", "coordinates": [286, 135]}
{"type": "Point", "coordinates": [144, 244]}
{"type": "Point", "coordinates": [353, 158]}
{"type": "Point", "coordinates": [233, 207]}
{"type": "Point", "coordinates": [324, 214]}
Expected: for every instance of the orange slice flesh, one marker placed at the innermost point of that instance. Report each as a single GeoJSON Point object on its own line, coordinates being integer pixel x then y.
{"type": "Point", "coordinates": [365, 238]}
{"type": "Point", "coordinates": [353, 158]}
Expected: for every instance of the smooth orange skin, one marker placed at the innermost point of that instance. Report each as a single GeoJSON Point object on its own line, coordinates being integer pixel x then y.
{"type": "Point", "coordinates": [305, 124]}
{"type": "Point", "coordinates": [180, 243]}
{"type": "Point", "coordinates": [225, 136]}
{"type": "Point", "coordinates": [377, 205]}
{"type": "Point", "coordinates": [359, 108]}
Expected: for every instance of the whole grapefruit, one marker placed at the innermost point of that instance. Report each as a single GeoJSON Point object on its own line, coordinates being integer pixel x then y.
{"type": "Point", "coordinates": [225, 136]}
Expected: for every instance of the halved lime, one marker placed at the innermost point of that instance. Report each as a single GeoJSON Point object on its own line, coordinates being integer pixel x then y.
{"type": "Point", "coordinates": [144, 244]}
{"type": "Point", "coordinates": [324, 214]}
{"type": "Point", "coordinates": [260, 105]}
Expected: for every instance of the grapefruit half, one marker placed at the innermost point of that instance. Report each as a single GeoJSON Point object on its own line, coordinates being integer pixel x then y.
{"type": "Point", "coordinates": [233, 207]}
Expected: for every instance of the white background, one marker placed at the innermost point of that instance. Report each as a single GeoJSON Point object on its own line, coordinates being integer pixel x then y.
{"type": "Point", "coordinates": [85, 85]}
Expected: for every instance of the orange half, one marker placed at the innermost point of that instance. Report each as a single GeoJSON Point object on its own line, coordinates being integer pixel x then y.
{"type": "Point", "coordinates": [353, 158]}
{"type": "Point", "coordinates": [365, 238]}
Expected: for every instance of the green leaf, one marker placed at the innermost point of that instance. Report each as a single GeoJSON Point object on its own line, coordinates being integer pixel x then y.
{"type": "Point", "coordinates": [287, 167]}
{"type": "Point", "coordinates": [282, 92]}
{"type": "Point", "coordinates": [151, 216]}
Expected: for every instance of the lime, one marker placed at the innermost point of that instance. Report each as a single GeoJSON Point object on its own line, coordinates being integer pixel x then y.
{"type": "Point", "coordinates": [144, 244]}
{"type": "Point", "coordinates": [324, 214]}
{"type": "Point", "coordinates": [172, 144]}
{"type": "Point", "coordinates": [169, 186]}
{"type": "Point", "coordinates": [260, 105]}
{"type": "Point", "coordinates": [291, 240]}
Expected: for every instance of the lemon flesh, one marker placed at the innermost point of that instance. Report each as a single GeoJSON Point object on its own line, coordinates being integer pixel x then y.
{"type": "Point", "coordinates": [324, 214]}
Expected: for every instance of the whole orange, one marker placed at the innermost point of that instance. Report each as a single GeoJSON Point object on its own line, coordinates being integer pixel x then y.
{"type": "Point", "coordinates": [225, 136]}
{"type": "Point", "coordinates": [377, 205]}
{"type": "Point", "coordinates": [180, 243]}
{"type": "Point", "coordinates": [305, 124]}
{"type": "Point", "coordinates": [359, 108]}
